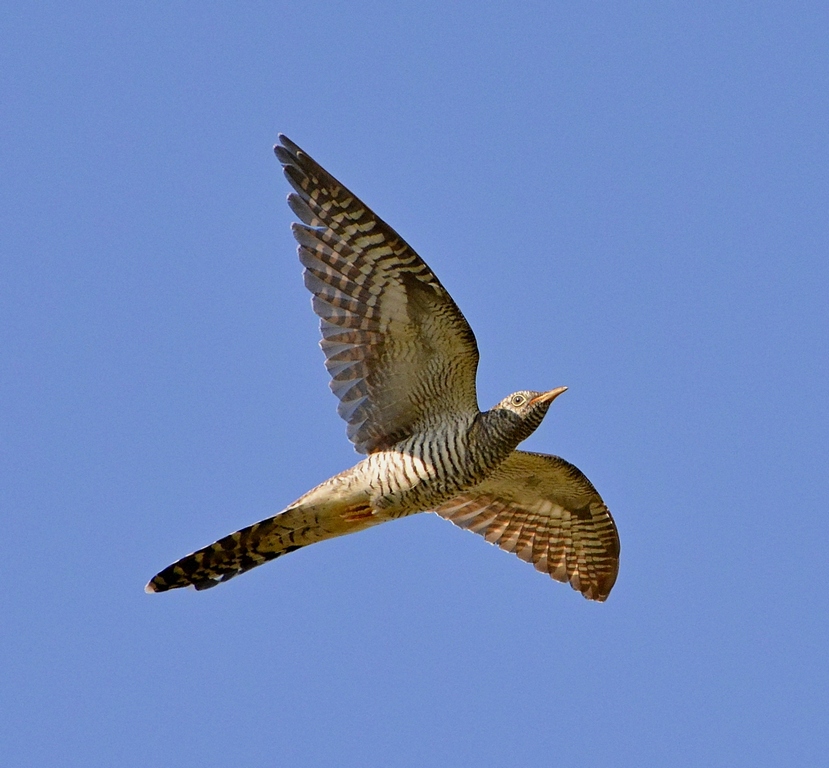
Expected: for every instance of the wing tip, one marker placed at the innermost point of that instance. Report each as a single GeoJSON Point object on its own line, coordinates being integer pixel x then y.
{"type": "Point", "coordinates": [287, 153]}
{"type": "Point", "coordinates": [599, 589]}
{"type": "Point", "coordinates": [284, 142]}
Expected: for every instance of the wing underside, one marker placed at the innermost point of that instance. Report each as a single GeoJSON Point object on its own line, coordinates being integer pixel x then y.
{"type": "Point", "coordinates": [548, 513]}
{"type": "Point", "coordinates": [398, 350]}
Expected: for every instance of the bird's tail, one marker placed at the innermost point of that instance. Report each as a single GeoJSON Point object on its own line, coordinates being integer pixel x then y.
{"type": "Point", "coordinates": [295, 527]}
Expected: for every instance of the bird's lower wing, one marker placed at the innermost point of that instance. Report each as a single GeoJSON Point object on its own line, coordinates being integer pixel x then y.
{"type": "Point", "coordinates": [549, 514]}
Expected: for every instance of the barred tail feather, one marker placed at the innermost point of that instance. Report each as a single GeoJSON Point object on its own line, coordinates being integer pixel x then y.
{"type": "Point", "coordinates": [266, 540]}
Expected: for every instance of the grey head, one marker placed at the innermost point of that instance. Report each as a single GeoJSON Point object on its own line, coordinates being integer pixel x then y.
{"type": "Point", "coordinates": [518, 415]}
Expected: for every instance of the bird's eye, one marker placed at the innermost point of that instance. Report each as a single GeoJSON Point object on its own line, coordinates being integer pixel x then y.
{"type": "Point", "coordinates": [518, 399]}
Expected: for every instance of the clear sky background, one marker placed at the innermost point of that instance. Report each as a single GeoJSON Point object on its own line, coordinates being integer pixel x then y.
{"type": "Point", "coordinates": [630, 199]}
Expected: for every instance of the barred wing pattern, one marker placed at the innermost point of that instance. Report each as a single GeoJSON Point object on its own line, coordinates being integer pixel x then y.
{"type": "Point", "coordinates": [400, 353]}
{"type": "Point", "coordinates": [549, 514]}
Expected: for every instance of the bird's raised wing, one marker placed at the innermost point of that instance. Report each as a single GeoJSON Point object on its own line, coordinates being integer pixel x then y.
{"type": "Point", "coordinates": [549, 514]}
{"type": "Point", "coordinates": [399, 351]}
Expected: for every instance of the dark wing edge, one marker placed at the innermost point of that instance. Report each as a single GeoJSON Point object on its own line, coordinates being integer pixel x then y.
{"type": "Point", "coordinates": [366, 283]}
{"type": "Point", "coordinates": [545, 511]}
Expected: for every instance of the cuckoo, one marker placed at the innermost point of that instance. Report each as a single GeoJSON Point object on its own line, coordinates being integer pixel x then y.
{"type": "Point", "coordinates": [402, 361]}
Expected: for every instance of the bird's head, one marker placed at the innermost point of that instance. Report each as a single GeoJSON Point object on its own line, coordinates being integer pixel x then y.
{"type": "Point", "coordinates": [522, 412]}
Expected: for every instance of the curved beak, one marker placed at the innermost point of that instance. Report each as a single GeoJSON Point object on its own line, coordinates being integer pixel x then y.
{"type": "Point", "coordinates": [548, 397]}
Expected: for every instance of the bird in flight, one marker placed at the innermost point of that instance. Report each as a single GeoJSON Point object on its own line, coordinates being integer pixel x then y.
{"type": "Point", "coordinates": [402, 360]}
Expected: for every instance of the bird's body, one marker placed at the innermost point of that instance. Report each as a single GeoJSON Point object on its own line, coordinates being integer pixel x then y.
{"type": "Point", "coordinates": [403, 361]}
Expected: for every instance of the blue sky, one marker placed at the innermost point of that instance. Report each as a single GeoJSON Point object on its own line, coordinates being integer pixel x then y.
{"type": "Point", "coordinates": [629, 199]}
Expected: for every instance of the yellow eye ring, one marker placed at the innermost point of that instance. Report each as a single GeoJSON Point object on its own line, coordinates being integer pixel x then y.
{"type": "Point", "coordinates": [518, 399]}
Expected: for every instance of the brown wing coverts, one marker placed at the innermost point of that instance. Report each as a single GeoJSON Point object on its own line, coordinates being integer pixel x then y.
{"type": "Point", "coordinates": [398, 349]}
{"type": "Point", "coordinates": [549, 514]}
